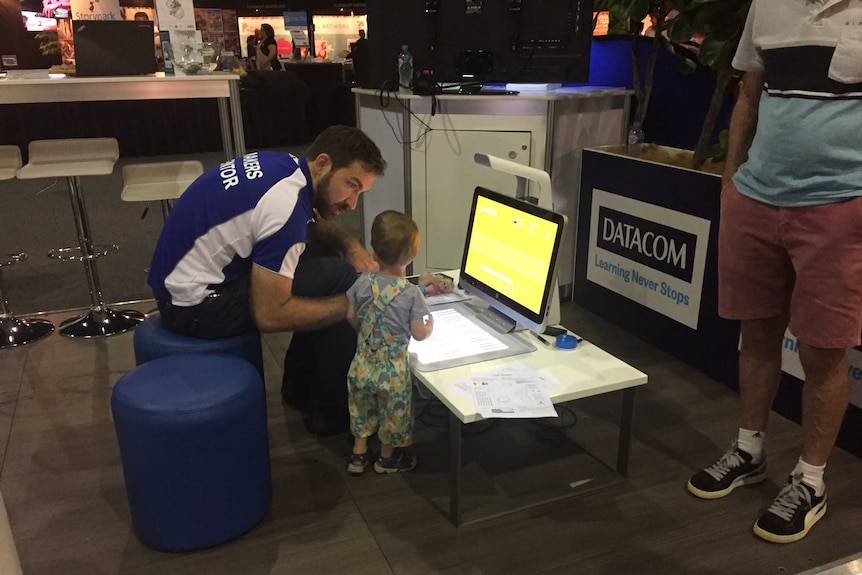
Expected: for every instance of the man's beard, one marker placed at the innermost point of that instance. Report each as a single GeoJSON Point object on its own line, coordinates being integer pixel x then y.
{"type": "Point", "coordinates": [326, 209]}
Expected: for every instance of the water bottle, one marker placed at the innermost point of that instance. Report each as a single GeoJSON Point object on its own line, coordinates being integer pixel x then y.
{"type": "Point", "coordinates": [635, 140]}
{"type": "Point", "coordinates": [405, 70]}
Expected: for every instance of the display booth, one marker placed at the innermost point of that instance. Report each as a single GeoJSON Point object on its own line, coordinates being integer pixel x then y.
{"type": "Point", "coordinates": [647, 260]}
{"type": "Point", "coordinates": [647, 255]}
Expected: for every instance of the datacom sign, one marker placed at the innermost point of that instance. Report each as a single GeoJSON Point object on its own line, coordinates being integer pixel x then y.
{"type": "Point", "coordinates": [649, 254]}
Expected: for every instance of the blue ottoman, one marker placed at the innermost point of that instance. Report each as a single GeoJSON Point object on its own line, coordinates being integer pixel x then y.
{"type": "Point", "coordinates": [195, 451]}
{"type": "Point", "coordinates": [153, 341]}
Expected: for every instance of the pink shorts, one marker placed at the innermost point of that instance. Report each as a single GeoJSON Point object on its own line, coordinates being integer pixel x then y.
{"type": "Point", "coordinates": [802, 261]}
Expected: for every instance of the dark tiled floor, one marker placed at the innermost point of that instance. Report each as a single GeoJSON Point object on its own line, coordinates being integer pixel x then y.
{"type": "Point", "coordinates": [62, 482]}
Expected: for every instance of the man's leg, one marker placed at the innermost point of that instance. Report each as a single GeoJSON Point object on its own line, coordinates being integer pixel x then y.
{"type": "Point", "coordinates": [802, 501]}
{"type": "Point", "coordinates": [316, 363]}
{"type": "Point", "coordinates": [759, 376]}
{"type": "Point", "coordinates": [759, 369]}
{"type": "Point", "coordinates": [825, 246]}
{"type": "Point", "coordinates": [756, 280]}
{"type": "Point", "coordinates": [222, 315]}
{"type": "Point", "coordinates": [824, 400]}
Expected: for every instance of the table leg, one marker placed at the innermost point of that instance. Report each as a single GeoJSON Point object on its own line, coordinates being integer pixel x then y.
{"type": "Point", "coordinates": [455, 426]}
{"type": "Point", "coordinates": [626, 413]}
{"type": "Point", "coordinates": [236, 119]}
{"type": "Point", "coordinates": [225, 122]}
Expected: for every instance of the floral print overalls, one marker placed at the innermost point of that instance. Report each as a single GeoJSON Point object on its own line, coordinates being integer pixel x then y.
{"type": "Point", "coordinates": [379, 384]}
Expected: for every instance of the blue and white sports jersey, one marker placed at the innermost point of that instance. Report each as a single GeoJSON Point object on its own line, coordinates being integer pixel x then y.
{"type": "Point", "coordinates": [253, 209]}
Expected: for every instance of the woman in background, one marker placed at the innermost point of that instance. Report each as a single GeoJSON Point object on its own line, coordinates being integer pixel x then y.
{"type": "Point", "coordinates": [267, 51]}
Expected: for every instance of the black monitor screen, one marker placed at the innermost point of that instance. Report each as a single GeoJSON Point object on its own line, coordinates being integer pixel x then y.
{"type": "Point", "coordinates": [114, 48]}
{"type": "Point", "coordinates": [523, 41]}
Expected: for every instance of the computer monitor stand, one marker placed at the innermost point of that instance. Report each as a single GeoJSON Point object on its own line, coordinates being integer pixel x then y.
{"type": "Point", "coordinates": [497, 320]}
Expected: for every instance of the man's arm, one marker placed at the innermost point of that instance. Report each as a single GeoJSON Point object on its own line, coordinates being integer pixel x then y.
{"type": "Point", "coordinates": [275, 308]}
{"type": "Point", "coordinates": [330, 233]}
{"type": "Point", "coordinates": [743, 123]}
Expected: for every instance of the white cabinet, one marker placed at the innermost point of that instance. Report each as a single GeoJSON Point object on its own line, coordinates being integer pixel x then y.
{"type": "Point", "coordinates": [451, 175]}
{"type": "Point", "coordinates": [429, 143]}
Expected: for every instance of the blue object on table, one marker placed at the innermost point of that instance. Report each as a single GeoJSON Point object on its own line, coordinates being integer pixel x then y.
{"type": "Point", "coordinates": [566, 341]}
{"type": "Point", "coordinates": [194, 447]}
{"type": "Point", "coordinates": [152, 340]}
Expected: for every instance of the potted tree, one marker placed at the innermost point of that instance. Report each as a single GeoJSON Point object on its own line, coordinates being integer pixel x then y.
{"type": "Point", "coordinates": [646, 239]}
{"type": "Point", "coordinates": [626, 17]}
{"type": "Point", "coordinates": [718, 24]}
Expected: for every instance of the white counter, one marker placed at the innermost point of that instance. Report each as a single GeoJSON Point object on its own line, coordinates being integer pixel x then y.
{"type": "Point", "coordinates": [36, 86]}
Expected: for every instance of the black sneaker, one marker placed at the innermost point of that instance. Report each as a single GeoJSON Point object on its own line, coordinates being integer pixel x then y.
{"type": "Point", "coordinates": [732, 470]}
{"type": "Point", "coordinates": [357, 462]}
{"type": "Point", "coordinates": [792, 514]}
{"type": "Point", "coordinates": [399, 462]}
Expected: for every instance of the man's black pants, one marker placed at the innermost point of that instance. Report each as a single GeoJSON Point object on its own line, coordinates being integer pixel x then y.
{"type": "Point", "coordinates": [316, 363]}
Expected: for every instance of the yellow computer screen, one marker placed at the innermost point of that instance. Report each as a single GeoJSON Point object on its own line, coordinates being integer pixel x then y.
{"type": "Point", "coordinates": [511, 250]}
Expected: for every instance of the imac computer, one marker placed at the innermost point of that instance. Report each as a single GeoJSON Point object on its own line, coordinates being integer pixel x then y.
{"type": "Point", "coordinates": [510, 259]}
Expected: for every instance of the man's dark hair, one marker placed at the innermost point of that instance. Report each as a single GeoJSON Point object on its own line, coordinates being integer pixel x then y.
{"type": "Point", "coordinates": [346, 145]}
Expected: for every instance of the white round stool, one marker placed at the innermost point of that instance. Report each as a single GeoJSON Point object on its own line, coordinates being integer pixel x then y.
{"type": "Point", "coordinates": [72, 158]}
{"type": "Point", "coordinates": [15, 331]}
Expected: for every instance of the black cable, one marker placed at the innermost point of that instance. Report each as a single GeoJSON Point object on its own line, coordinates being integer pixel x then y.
{"type": "Point", "coordinates": [384, 104]}
{"type": "Point", "coordinates": [563, 410]}
{"type": "Point", "coordinates": [435, 414]}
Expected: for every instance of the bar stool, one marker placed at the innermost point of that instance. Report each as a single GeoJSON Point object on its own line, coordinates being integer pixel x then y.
{"type": "Point", "coordinates": [159, 181]}
{"type": "Point", "coordinates": [15, 331]}
{"type": "Point", "coordinates": [73, 158]}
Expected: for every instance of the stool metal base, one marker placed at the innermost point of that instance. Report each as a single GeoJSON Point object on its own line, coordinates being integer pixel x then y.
{"type": "Point", "coordinates": [101, 322]}
{"type": "Point", "coordinates": [74, 254]}
{"type": "Point", "coordinates": [15, 331]}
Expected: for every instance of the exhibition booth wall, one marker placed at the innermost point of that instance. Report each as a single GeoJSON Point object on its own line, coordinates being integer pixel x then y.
{"type": "Point", "coordinates": [647, 260]}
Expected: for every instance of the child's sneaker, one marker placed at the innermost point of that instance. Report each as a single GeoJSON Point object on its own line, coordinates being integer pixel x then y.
{"type": "Point", "coordinates": [399, 462]}
{"type": "Point", "coordinates": [359, 461]}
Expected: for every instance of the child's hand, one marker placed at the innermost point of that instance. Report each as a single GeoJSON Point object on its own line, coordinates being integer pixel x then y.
{"type": "Point", "coordinates": [421, 327]}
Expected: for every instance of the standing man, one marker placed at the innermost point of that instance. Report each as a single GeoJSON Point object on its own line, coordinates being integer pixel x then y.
{"type": "Point", "coordinates": [790, 240]}
{"type": "Point", "coordinates": [359, 55]}
{"type": "Point", "coordinates": [251, 245]}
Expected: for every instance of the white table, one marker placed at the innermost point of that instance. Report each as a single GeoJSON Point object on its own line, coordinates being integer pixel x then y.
{"type": "Point", "coordinates": [584, 372]}
{"type": "Point", "coordinates": [36, 86]}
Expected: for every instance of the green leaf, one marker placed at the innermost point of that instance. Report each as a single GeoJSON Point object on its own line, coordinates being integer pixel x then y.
{"type": "Point", "coordinates": [716, 152]}
{"type": "Point", "coordinates": [681, 29]}
{"type": "Point", "coordinates": [638, 9]}
{"type": "Point", "coordinates": [710, 51]}
{"type": "Point", "coordinates": [724, 138]}
{"type": "Point", "coordinates": [684, 65]}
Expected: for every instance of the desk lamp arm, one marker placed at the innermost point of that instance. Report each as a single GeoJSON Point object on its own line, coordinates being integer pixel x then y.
{"type": "Point", "coordinates": [523, 175]}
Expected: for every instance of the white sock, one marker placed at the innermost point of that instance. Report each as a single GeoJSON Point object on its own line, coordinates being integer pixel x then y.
{"type": "Point", "coordinates": [812, 476]}
{"type": "Point", "coordinates": [751, 442]}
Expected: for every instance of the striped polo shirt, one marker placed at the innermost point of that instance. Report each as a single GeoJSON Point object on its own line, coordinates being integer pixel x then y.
{"type": "Point", "coordinates": [808, 146]}
{"type": "Point", "coordinates": [250, 210]}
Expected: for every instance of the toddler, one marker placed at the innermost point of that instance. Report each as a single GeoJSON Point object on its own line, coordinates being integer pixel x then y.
{"type": "Point", "coordinates": [385, 309]}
